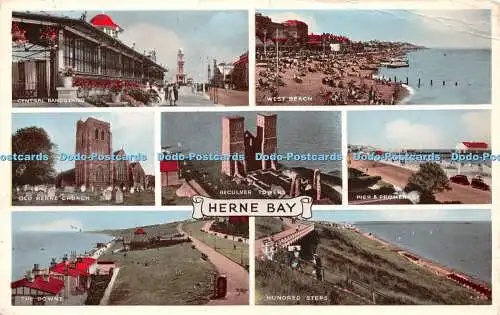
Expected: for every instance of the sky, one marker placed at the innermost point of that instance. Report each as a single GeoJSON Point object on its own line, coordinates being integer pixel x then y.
{"type": "Point", "coordinates": [352, 216]}
{"type": "Point", "coordinates": [418, 129]}
{"type": "Point", "coordinates": [222, 35]}
{"type": "Point", "coordinates": [62, 221]}
{"type": "Point", "coordinates": [430, 28]}
{"type": "Point", "coordinates": [134, 133]}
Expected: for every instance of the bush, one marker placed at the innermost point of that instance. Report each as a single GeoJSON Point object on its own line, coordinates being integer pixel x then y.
{"type": "Point", "coordinates": [97, 100]}
{"type": "Point", "coordinates": [146, 97]}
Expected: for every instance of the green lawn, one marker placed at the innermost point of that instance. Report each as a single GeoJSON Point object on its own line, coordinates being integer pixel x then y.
{"type": "Point", "coordinates": [168, 197]}
{"type": "Point", "coordinates": [234, 250]}
{"type": "Point", "coordinates": [174, 275]}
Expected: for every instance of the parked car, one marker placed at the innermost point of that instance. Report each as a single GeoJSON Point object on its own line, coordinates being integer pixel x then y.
{"type": "Point", "coordinates": [460, 179]}
{"type": "Point", "coordinates": [479, 184]}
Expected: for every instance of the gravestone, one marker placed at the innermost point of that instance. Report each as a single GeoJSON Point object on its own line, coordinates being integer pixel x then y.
{"type": "Point", "coordinates": [51, 192]}
{"type": "Point", "coordinates": [69, 189]}
{"type": "Point", "coordinates": [40, 195]}
{"type": "Point", "coordinates": [119, 196]}
{"type": "Point", "coordinates": [107, 195]}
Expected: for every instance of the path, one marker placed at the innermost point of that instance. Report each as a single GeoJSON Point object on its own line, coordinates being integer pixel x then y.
{"type": "Point", "coordinates": [399, 176]}
{"type": "Point", "coordinates": [237, 276]}
{"type": "Point", "coordinates": [188, 98]}
{"type": "Point", "coordinates": [105, 297]}
{"type": "Point", "coordinates": [208, 225]}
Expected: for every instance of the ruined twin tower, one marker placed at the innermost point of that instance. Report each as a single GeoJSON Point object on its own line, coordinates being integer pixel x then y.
{"type": "Point", "coordinates": [237, 140]}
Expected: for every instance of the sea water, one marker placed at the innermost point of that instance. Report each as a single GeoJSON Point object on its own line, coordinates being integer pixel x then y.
{"type": "Point", "coordinates": [304, 132]}
{"type": "Point", "coordinates": [469, 68]}
{"type": "Point", "coordinates": [462, 246]}
{"type": "Point", "coordinates": [30, 248]}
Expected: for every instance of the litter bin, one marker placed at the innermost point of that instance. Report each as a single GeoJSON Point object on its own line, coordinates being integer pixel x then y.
{"type": "Point", "coordinates": [220, 286]}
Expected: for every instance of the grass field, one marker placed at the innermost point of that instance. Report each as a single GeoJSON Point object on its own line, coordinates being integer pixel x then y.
{"type": "Point", "coordinates": [234, 250]}
{"type": "Point", "coordinates": [174, 275]}
{"type": "Point", "coordinates": [168, 197]}
{"type": "Point", "coordinates": [267, 226]}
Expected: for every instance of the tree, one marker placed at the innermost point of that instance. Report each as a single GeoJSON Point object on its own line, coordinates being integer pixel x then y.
{"type": "Point", "coordinates": [430, 178]}
{"type": "Point", "coordinates": [32, 141]}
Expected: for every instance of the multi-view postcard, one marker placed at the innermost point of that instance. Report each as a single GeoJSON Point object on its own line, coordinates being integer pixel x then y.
{"type": "Point", "coordinates": [129, 58]}
{"type": "Point", "coordinates": [128, 258]}
{"type": "Point", "coordinates": [83, 159]}
{"type": "Point", "coordinates": [419, 157]}
{"type": "Point", "coordinates": [383, 257]}
{"type": "Point", "coordinates": [247, 155]}
{"type": "Point", "coordinates": [372, 57]}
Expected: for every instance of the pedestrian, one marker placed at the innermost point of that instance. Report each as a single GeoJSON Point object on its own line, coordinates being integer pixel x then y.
{"type": "Point", "coordinates": [169, 93]}
{"type": "Point", "coordinates": [176, 93]}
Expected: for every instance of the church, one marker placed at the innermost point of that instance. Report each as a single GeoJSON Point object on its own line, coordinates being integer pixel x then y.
{"type": "Point", "coordinates": [94, 136]}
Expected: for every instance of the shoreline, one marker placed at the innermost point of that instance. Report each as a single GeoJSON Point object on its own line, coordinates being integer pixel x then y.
{"type": "Point", "coordinates": [430, 264]}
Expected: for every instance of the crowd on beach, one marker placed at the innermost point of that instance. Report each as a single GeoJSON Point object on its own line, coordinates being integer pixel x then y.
{"type": "Point", "coordinates": [330, 78]}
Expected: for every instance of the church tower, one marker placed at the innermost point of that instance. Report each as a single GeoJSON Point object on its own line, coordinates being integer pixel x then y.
{"type": "Point", "coordinates": [93, 136]}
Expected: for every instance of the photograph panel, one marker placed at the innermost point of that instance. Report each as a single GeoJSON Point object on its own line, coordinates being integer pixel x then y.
{"type": "Point", "coordinates": [372, 57]}
{"type": "Point", "coordinates": [129, 58]}
{"type": "Point", "coordinates": [379, 257]}
{"type": "Point", "coordinates": [128, 258]}
{"type": "Point", "coordinates": [83, 159]}
{"type": "Point", "coordinates": [420, 157]}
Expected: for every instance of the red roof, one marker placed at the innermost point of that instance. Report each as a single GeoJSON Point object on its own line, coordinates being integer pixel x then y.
{"type": "Point", "coordinates": [294, 22]}
{"type": "Point", "coordinates": [243, 59]}
{"type": "Point", "coordinates": [52, 286]}
{"type": "Point", "coordinates": [103, 20]}
{"type": "Point", "coordinates": [476, 145]}
{"type": "Point", "coordinates": [64, 268]}
{"type": "Point", "coordinates": [169, 166]}
{"type": "Point", "coordinates": [139, 231]}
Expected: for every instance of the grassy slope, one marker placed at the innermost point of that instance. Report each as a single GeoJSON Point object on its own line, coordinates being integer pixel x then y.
{"type": "Point", "coordinates": [267, 226]}
{"type": "Point", "coordinates": [272, 280]}
{"type": "Point", "coordinates": [346, 252]}
{"type": "Point", "coordinates": [224, 246]}
{"type": "Point", "coordinates": [174, 275]}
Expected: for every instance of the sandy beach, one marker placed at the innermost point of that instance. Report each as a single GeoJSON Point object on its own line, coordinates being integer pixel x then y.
{"type": "Point", "coordinates": [315, 78]}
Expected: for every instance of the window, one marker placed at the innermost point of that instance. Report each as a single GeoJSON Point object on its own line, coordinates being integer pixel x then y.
{"type": "Point", "coordinates": [102, 135]}
{"type": "Point", "coordinates": [96, 134]}
{"type": "Point", "coordinates": [110, 62]}
{"type": "Point", "coordinates": [80, 53]}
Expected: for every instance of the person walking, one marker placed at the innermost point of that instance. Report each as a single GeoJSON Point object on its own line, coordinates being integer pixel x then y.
{"type": "Point", "coordinates": [170, 94]}
{"type": "Point", "coordinates": [176, 93]}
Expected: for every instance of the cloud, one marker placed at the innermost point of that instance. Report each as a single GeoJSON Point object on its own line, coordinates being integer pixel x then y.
{"type": "Point", "coordinates": [55, 226]}
{"type": "Point", "coordinates": [284, 16]}
{"type": "Point", "coordinates": [412, 215]}
{"type": "Point", "coordinates": [457, 28]}
{"type": "Point", "coordinates": [404, 134]}
{"type": "Point", "coordinates": [477, 125]}
{"type": "Point", "coordinates": [147, 36]}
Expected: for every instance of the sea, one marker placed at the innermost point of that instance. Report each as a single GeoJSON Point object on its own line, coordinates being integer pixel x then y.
{"type": "Point", "coordinates": [297, 132]}
{"type": "Point", "coordinates": [29, 248]}
{"type": "Point", "coordinates": [470, 68]}
{"type": "Point", "coordinates": [461, 246]}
